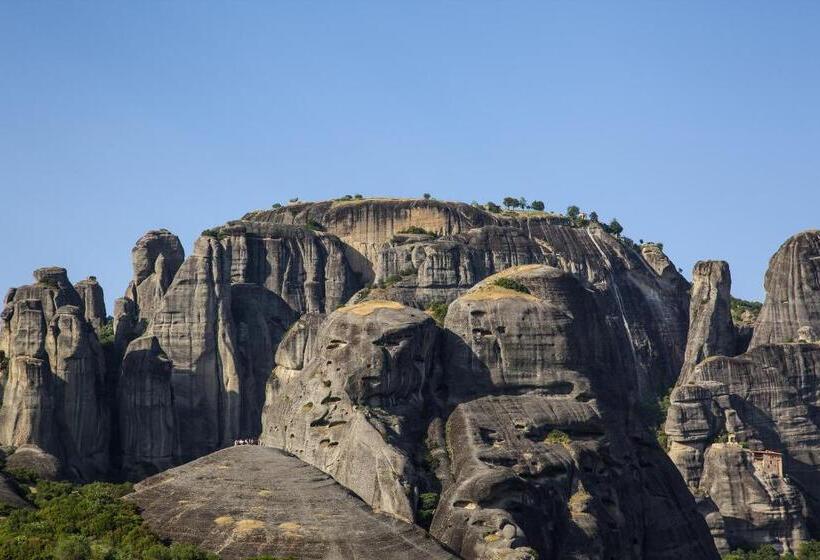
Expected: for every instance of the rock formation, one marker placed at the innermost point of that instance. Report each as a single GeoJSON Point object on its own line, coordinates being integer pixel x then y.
{"type": "Point", "coordinates": [732, 418]}
{"type": "Point", "coordinates": [792, 291]}
{"type": "Point", "coordinates": [54, 392]}
{"type": "Point", "coordinates": [285, 509]}
{"type": "Point", "coordinates": [308, 269]}
{"type": "Point", "coordinates": [147, 416]}
{"type": "Point", "coordinates": [155, 258]}
{"type": "Point", "coordinates": [91, 294]}
{"type": "Point", "coordinates": [355, 408]}
{"type": "Point", "coordinates": [711, 331]}
{"type": "Point", "coordinates": [194, 328]}
{"type": "Point", "coordinates": [540, 408]}
{"type": "Point", "coordinates": [646, 301]}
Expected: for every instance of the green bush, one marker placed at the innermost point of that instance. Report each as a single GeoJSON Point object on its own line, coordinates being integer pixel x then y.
{"type": "Point", "coordinates": [511, 284]}
{"type": "Point", "coordinates": [418, 231]}
{"type": "Point", "coordinates": [428, 502]}
{"type": "Point", "coordinates": [83, 522]}
{"type": "Point", "coordinates": [438, 311]}
{"type": "Point", "coordinates": [557, 437]}
{"type": "Point", "coordinates": [313, 225]}
{"type": "Point", "coordinates": [741, 306]}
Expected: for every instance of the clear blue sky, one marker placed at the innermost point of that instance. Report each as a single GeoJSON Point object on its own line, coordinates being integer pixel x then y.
{"type": "Point", "coordinates": [694, 123]}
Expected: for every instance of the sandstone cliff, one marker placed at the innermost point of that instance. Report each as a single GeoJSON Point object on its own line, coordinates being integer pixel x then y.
{"type": "Point", "coordinates": [53, 406]}
{"type": "Point", "coordinates": [540, 404]}
{"type": "Point", "coordinates": [734, 420]}
{"type": "Point", "coordinates": [355, 410]}
{"type": "Point", "coordinates": [792, 291]}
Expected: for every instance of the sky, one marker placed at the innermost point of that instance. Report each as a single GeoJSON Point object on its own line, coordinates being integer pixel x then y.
{"type": "Point", "coordinates": [695, 123]}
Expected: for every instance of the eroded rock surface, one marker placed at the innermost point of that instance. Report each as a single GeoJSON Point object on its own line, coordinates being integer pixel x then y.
{"type": "Point", "coordinates": [355, 406]}
{"type": "Point", "coordinates": [792, 291]}
{"type": "Point", "coordinates": [93, 299]}
{"type": "Point", "coordinates": [727, 412]}
{"type": "Point", "coordinates": [711, 330]}
{"type": "Point", "coordinates": [251, 500]}
{"type": "Point", "coordinates": [54, 391]}
{"type": "Point", "coordinates": [545, 458]}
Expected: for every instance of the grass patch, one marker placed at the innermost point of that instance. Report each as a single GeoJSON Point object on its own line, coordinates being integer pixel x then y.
{"type": "Point", "coordinates": [438, 311]}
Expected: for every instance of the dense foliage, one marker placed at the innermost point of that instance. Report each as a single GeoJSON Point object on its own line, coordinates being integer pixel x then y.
{"type": "Point", "coordinates": [744, 311]}
{"type": "Point", "coordinates": [70, 522]}
{"type": "Point", "coordinates": [809, 550]}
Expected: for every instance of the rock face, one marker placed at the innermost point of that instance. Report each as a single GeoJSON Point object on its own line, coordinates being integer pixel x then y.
{"type": "Point", "coordinates": [286, 508]}
{"type": "Point", "coordinates": [644, 297]}
{"type": "Point", "coordinates": [423, 269]}
{"type": "Point", "coordinates": [352, 404]}
{"type": "Point", "coordinates": [733, 420]}
{"type": "Point", "coordinates": [156, 257]}
{"type": "Point", "coordinates": [539, 410]}
{"type": "Point", "coordinates": [711, 331]}
{"type": "Point", "coordinates": [792, 291]}
{"type": "Point", "coordinates": [195, 330]}
{"type": "Point", "coordinates": [54, 393]}
{"type": "Point", "coordinates": [91, 294]}
{"type": "Point", "coordinates": [147, 416]}
{"type": "Point", "coordinates": [308, 269]}
{"type": "Point", "coordinates": [762, 400]}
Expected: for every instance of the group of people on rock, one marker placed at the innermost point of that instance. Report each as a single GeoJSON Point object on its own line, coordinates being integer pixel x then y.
{"type": "Point", "coordinates": [245, 442]}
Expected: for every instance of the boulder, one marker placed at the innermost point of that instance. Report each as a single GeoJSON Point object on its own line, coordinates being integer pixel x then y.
{"type": "Point", "coordinates": [355, 407]}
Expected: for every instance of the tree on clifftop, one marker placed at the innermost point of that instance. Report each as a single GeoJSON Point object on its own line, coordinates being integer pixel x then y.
{"type": "Point", "coordinates": [615, 227]}
{"type": "Point", "coordinates": [510, 202]}
{"type": "Point", "coordinates": [537, 205]}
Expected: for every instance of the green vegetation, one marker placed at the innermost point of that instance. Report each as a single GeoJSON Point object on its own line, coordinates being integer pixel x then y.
{"type": "Point", "coordinates": [809, 550]}
{"type": "Point", "coordinates": [313, 225]}
{"type": "Point", "coordinates": [89, 522]}
{"type": "Point", "coordinates": [106, 334]}
{"type": "Point", "coordinates": [744, 311]}
{"type": "Point", "coordinates": [426, 196]}
{"type": "Point", "coordinates": [276, 205]}
{"type": "Point", "coordinates": [216, 233]}
{"type": "Point", "coordinates": [615, 227]}
{"type": "Point", "coordinates": [593, 216]}
{"type": "Point", "coordinates": [511, 284]}
{"type": "Point", "coordinates": [653, 413]}
{"type": "Point", "coordinates": [428, 502]}
{"type": "Point", "coordinates": [438, 311]}
{"type": "Point", "coordinates": [396, 278]}
{"type": "Point", "coordinates": [557, 437]}
{"type": "Point", "coordinates": [417, 231]}
{"type": "Point", "coordinates": [537, 205]}
{"type": "Point", "coordinates": [493, 207]}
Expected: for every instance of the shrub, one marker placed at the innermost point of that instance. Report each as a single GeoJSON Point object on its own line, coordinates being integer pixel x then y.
{"type": "Point", "coordinates": [428, 502]}
{"type": "Point", "coordinates": [615, 227]}
{"type": "Point", "coordinates": [313, 225]}
{"type": "Point", "coordinates": [493, 207]}
{"type": "Point", "coordinates": [357, 196]}
{"type": "Point", "coordinates": [418, 231]}
{"type": "Point", "coordinates": [511, 284]}
{"type": "Point", "coordinates": [741, 307]}
{"type": "Point", "coordinates": [557, 437]}
{"type": "Point", "coordinates": [426, 196]}
{"type": "Point", "coordinates": [593, 216]}
{"type": "Point", "coordinates": [216, 233]}
{"type": "Point", "coordinates": [538, 205]}
{"type": "Point", "coordinates": [276, 205]}
{"type": "Point", "coordinates": [438, 311]}
{"type": "Point", "coordinates": [573, 212]}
